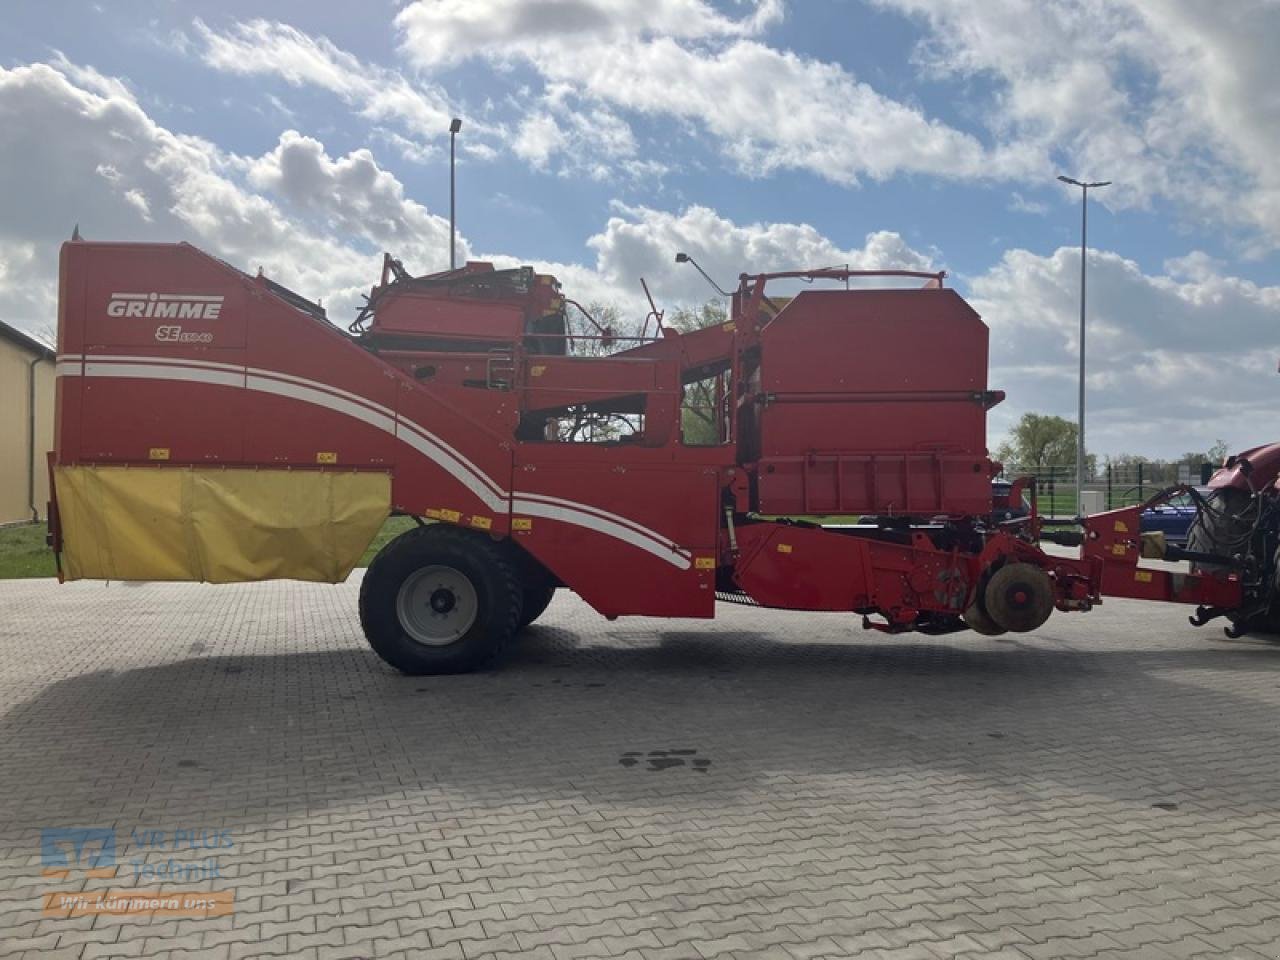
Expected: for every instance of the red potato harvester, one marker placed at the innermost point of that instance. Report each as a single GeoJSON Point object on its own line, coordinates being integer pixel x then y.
{"type": "Point", "coordinates": [214, 426]}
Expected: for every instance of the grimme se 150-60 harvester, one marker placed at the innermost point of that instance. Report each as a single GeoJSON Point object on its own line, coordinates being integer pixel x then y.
{"type": "Point", "coordinates": [214, 426]}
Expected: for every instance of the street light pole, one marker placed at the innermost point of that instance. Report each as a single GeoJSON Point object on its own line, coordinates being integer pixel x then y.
{"type": "Point", "coordinates": [1084, 267]}
{"type": "Point", "coordinates": [454, 126]}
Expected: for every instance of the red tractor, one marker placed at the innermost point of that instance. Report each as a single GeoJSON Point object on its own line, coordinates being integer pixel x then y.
{"type": "Point", "coordinates": [215, 426]}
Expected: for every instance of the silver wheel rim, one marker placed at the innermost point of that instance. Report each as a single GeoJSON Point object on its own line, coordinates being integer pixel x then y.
{"type": "Point", "coordinates": [436, 605]}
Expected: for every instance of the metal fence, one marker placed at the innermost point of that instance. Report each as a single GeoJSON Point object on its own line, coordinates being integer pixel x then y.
{"type": "Point", "coordinates": [1110, 486]}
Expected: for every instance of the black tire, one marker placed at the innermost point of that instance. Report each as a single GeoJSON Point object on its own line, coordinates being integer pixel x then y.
{"type": "Point", "coordinates": [1019, 597]}
{"type": "Point", "coordinates": [1220, 526]}
{"type": "Point", "coordinates": [478, 596]}
{"type": "Point", "coordinates": [1223, 527]}
{"type": "Point", "coordinates": [536, 600]}
{"type": "Point", "coordinates": [976, 616]}
{"type": "Point", "coordinates": [980, 621]}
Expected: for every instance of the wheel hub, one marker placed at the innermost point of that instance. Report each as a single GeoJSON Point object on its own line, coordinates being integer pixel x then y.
{"type": "Point", "coordinates": [443, 600]}
{"type": "Point", "coordinates": [437, 605]}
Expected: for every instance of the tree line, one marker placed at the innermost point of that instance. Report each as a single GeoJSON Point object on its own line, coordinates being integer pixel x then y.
{"type": "Point", "coordinates": [1041, 440]}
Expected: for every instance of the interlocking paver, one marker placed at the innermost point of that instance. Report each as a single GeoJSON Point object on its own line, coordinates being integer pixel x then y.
{"type": "Point", "coordinates": [866, 796]}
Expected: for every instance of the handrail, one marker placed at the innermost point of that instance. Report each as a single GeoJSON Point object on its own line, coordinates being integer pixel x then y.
{"type": "Point", "coordinates": [835, 273]}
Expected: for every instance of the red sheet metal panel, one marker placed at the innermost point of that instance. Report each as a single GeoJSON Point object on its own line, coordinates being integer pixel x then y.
{"type": "Point", "coordinates": [451, 318]}
{"type": "Point", "coordinates": [639, 538]}
{"type": "Point", "coordinates": [888, 416]}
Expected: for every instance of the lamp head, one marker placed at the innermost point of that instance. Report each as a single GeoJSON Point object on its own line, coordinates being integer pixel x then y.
{"type": "Point", "coordinates": [682, 258]}
{"type": "Point", "coordinates": [455, 125]}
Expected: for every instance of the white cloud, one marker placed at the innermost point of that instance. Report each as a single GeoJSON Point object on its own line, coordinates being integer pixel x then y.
{"type": "Point", "coordinates": [641, 242]}
{"type": "Point", "coordinates": [1020, 204]}
{"type": "Point", "coordinates": [138, 200]}
{"type": "Point", "coordinates": [71, 154]}
{"type": "Point", "coordinates": [351, 197]}
{"type": "Point", "coordinates": [313, 221]}
{"type": "Point", "coordinates": [1169, 98]}
{"type": "Point", "coordinates": [1175, 361]}
{"type": "Point", "coordinates": [538, 138]}
{"type": "Point", "coordinates": [263, 47]}
{"type": "Point", "coordinates": [767, 109]}
{"type": "Point", "coordinates": [443, 32]}
{"type": "Point", "coordinates": [578, 140]}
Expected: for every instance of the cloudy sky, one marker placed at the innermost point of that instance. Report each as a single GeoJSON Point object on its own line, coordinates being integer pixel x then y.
{"type": "Point", "coordinates": [601, 136]}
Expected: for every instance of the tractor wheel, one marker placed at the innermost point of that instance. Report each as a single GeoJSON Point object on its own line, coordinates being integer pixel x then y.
{"type": "Point", "coordinates": [536, 599]}
{"type": "Point", "coordinates": [439, 599]}
{"type": "Point", "coordinates": [1221, 527]}
{"type": "Point", "coordinates": [1019, 597]}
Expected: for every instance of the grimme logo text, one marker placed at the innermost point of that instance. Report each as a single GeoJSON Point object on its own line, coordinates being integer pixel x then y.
{"type": "Point", "coordinates": [176, 306]}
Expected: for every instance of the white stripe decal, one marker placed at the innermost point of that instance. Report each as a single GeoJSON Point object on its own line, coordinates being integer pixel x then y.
{"type": "Point", "coordinates": [421, 436]}
{"type": "Point", "coordinates": [458, 470]}
{"type": "Point", "coordinates": [320, 398]}
{"type": "Point", "coordinates": [168, 362]}
{"type": "Point", "coordinates": [354, 397]}
{"type": "Point", "coordinates": [481, 485]}
{"type": "Point", "coordinates": [604, 515]}
{"type": "Point", "coordinates": [185, 297]}
{"type": "Point", "coordinates": [150, 371]}
{"type": "Point", "coordinates": [607, 527]}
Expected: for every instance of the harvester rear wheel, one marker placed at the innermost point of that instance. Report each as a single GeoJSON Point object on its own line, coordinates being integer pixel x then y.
{"type": "Point", "coordinates": [537, 597]}
{"type": "Point", "coordinates": [439, 599]}
{"type": "Point", "coordinates": [1019, 597]}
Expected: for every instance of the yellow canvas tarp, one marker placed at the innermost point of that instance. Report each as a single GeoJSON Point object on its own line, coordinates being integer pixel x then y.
{"type": "Point", "coordinates": [217, 525]}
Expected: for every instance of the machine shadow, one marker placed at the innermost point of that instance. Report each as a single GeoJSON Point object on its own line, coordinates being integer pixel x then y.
{"type": "Point", "coordinates": [256, 738]}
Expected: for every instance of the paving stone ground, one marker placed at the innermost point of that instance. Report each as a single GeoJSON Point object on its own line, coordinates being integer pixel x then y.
{"type": "Point", "coordinates": [767, 784]}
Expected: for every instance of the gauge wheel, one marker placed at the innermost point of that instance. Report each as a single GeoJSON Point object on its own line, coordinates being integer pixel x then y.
{"type": "Point", "coordinates": [980, 621]}
{"type": "Point", "coordinates": [1019, 597]}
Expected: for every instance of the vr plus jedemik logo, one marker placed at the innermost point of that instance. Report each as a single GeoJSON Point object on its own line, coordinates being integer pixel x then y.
{"type": "Point", "coordinates": [165, 306]}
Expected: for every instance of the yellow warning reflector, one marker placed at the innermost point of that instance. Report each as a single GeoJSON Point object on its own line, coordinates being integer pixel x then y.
{"type": "Point", "coordinates": [537, 371]}
{"type": "Point", "coordinates": [452, 516]}
{"type": "Point", "coordinates": [705, 563]}
{"type": "Point", "coordinates": [521, 523]}
{"type": "Point", "coordinates": [326, 456]}
{"type": "Point", "coordinates": [482, 523]}
{"type": "Point", "coordinates": [1121, 527]}
{"type": "Point", "coordinates": [158, 453]}
{"type": "Point", "coordinates": [1118, 549]}
{"type": "Point", "coordinates": [729, 327]}
{"type": "Point", "coordinates": [1142, 576]}
{"type": "Point", "coordinates": [432, 514]}
{"type": "Point", "coordinates": [784, 548]}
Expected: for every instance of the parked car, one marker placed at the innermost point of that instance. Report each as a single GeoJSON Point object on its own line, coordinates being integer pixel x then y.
{"type": "Point", "coordinates": [1173, 518]}
{"type": "Point", "coordinates": [1000, 490]}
